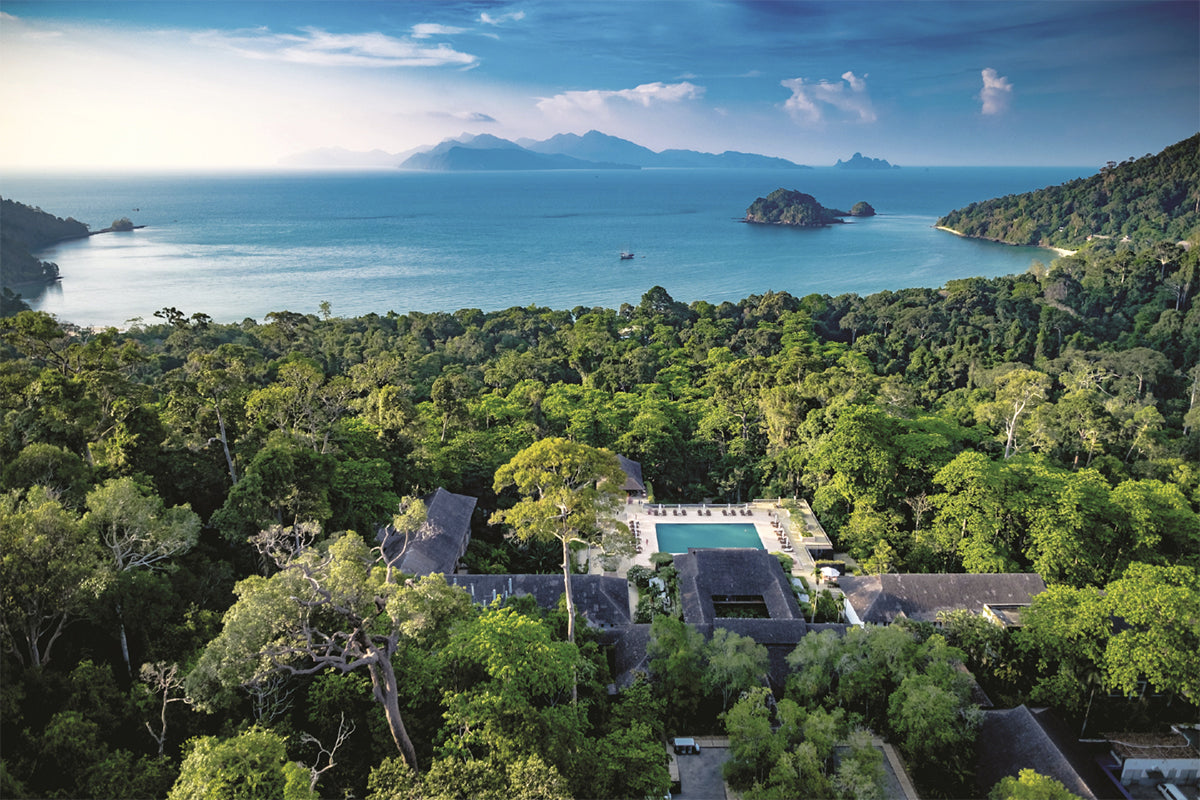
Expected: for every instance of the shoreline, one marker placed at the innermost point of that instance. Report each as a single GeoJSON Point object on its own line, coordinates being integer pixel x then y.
{"type": "Point", "coordinates": [104, 230]}
{"type": "Point", "coordinates": [1061, 251]}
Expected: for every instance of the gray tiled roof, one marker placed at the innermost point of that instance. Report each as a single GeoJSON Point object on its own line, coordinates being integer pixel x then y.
{"type": "Point", "coordinates": [603, 601]}
{"type": "Point", "coordinates": [633, 475]}
{"type": "Point", "coordinates": [771, 632]}
{"type": "Point", "coordinates": [629, 654]}
{"type": "Point", "coordinates": [440, 543]}
{"type": "Point", "coordinates": [732, 571]}
{"type": "Point", "coordinates": [882, 598]}
{"type": "Point", "coordinates": [1019, 738]}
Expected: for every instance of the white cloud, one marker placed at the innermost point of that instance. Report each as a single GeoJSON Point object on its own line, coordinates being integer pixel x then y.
{"type": "Point", "coordinates": [500, 19]}
{"type": "Point", "coordinates": [809, 101]}
{"type": "Point", "coordinates": [14, 25]}
{"type": "Point", "coordinates": [996, 93]}
{"type": "Point", "coordinates": [321, 48]}
{"type": "Point", "coordinates": [426, 29]}
{"type": "Point", "coordinates": [463, 116]}
{"type": "Point", "coordinates": [594, 100]}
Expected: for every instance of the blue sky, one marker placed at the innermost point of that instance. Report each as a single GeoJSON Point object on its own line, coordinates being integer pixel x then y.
{"type": "Point", "coordinates": [111, 85]}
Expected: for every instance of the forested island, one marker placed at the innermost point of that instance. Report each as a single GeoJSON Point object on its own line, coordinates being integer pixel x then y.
{"type": "Point", "coordinates": [195, 602]}
{"type": "Point", "coordinates": [797, 209]}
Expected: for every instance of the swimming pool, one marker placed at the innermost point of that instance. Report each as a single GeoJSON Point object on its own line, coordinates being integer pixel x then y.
{"type": "Point", "coordinates": [677, 537]}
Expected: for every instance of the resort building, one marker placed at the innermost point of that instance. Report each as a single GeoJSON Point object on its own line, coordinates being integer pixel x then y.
{"type": "Point", "coordinates": [745, 592]}
{"type": "Point", "coordinates": [880, 599]}
{"type": "Point", "coordinates": [439, 543]}
{"type": "Point", "coordinates": [1149, 758]}
{"type": "Point", "coordinates": [635, 486]}
{"type": "Point", "coordinates": [601, 601]}
{"type": "Point", "coordinates": [1014, 739]}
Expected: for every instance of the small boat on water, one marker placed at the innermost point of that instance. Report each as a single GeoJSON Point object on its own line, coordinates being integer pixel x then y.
{"type": "Point", "coordinates": [626, 255]}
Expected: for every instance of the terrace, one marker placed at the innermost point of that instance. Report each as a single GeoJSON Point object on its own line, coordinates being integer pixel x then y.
{"type": "Point", "coordinates": [777, 526]}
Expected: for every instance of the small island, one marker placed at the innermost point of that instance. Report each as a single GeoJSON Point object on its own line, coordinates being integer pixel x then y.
{"type": "Point", "coordinates": [859, 161]}
{"type": "Point", "coordinates": [797, 209]}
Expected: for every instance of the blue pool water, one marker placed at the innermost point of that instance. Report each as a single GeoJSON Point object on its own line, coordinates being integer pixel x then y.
{"type": "Point", "coordinates": [677, 537]}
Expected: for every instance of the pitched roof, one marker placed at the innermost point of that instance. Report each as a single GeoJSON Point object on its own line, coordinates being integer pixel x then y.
{"type": "Point", "coordinates": [603, 601]}
{"type": "Point", "coordinates": [629, 653]}
{"type": "Point", "coordinates": [633, 475]}
{"type": "Point", "coordinates": [881, 598]}
{"type": "Point", "coordinates": [1019, 738]}
{"type": "Point", "coordinates": [743, 571]}
{"type": "Point", "coordinates": [438, 545]}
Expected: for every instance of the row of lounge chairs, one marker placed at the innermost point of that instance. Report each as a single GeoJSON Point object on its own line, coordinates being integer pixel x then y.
{"type": "Point", "coordinates": [700, 512]}
{"type": "Point", "coordinates": [781, 535]}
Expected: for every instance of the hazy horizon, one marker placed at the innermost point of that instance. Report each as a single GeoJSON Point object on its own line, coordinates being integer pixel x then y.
{"type": "Point", "coordinates": [222, 86]}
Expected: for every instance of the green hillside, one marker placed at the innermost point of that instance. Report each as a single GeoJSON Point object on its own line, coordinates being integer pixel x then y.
{"type": "Point", "coordinates": [1148, 199]}
{"type": "Point", "coordinates": [24, 229]}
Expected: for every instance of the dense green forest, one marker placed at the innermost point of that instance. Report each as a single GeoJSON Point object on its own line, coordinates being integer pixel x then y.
{"type": "Point", "coordinates": [173, 491]}
{"type": "Point", "coordinates": [1143, 200]}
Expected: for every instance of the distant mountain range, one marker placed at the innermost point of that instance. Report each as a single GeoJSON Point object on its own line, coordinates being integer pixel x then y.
{"type": "Point", "coordinates": [593, 150]}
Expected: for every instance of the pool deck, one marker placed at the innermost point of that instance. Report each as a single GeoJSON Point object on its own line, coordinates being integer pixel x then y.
{"type": "Point", "coordinates": [779, 530]}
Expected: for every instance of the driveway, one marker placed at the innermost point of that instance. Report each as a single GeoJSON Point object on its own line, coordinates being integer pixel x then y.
{"type": "Point", "coordinates": [700, 774]}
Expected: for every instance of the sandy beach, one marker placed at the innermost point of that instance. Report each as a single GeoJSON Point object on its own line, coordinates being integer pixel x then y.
{"type": "Point", "coordinates": [1059, 250]}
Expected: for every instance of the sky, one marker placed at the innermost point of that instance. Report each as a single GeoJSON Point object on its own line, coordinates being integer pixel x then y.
{"type": "Point", "coordinates": [174, 84]}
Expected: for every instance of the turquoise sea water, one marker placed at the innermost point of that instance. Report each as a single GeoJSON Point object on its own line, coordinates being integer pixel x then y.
{"type": "Point", "coordinates": [677, 537]}
{"type": "Point", "coordinates": [237, 246]}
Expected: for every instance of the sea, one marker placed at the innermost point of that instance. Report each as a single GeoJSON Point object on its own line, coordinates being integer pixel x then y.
{"type": "Point", "coordinates": [238, 246]}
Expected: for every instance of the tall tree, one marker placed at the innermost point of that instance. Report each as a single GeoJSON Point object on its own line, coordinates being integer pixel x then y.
{"type": "Point", "coordinates": [50, 570]}
{"type": "Point", "coordinates": [570, 492]}
{"type": "Point", "coordinates": [735, 664]}
{"type": "Point", "coordinates": [1018, 392]}
{"type": "Point", "coordinates": [676, 653]}
{"type": "Point", "coordinates": [1160, 640]}
{"type": "Point", "coordinates": [139, 531]}
{"type": "Point", "coordinates": [214, 383]}
{"type": "Point", "coordinates": [508, 685]}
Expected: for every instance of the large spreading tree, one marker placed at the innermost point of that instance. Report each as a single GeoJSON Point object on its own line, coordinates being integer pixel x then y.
{"type": "Point", "coordinates": [331, 609]}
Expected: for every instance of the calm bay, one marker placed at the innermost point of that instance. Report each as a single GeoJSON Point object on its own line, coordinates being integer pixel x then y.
{"type": "Point", "coordinates": [242, 245]}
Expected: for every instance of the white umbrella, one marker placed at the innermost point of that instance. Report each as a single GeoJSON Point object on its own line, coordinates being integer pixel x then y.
{"type": "Point", "coordinates": [829, 572]}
